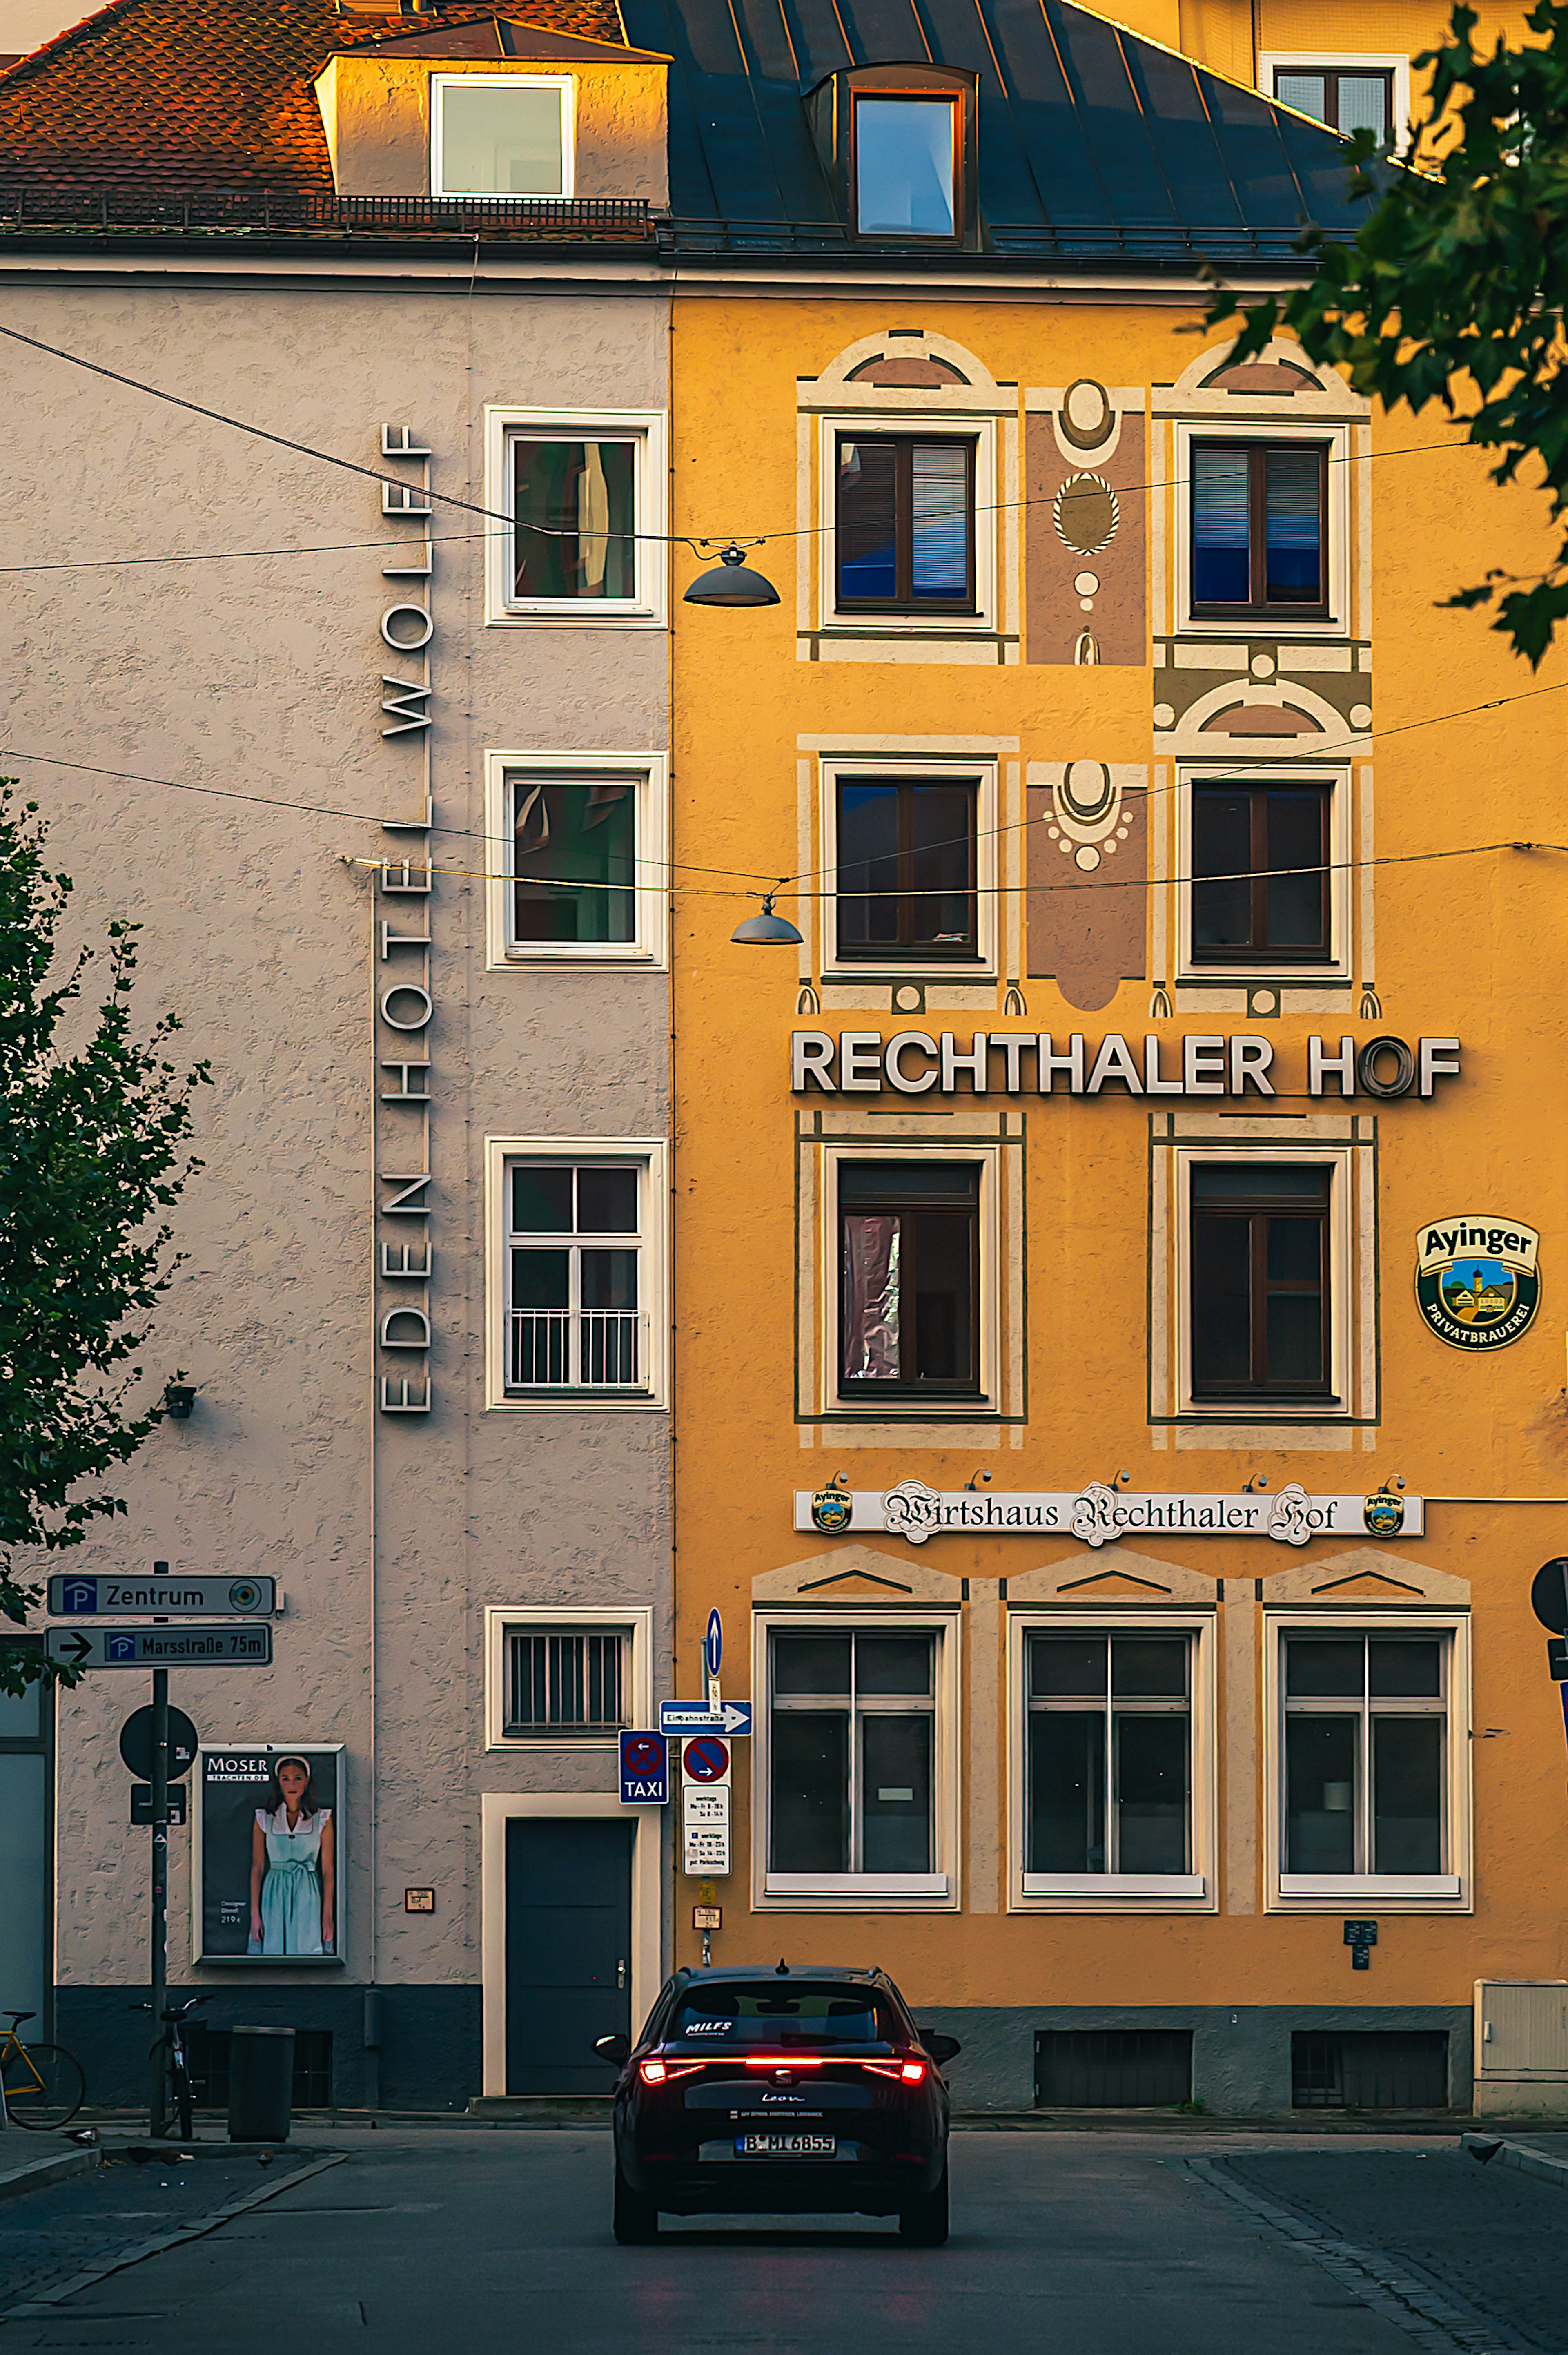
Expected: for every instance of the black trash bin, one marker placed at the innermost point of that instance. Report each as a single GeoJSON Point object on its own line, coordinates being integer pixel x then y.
{"type": "Point", "coordinates": [260, 2083]}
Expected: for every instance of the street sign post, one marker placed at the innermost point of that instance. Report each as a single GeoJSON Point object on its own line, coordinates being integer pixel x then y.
{"type": "Point", "coordinates": [74, 1595]}
{"type": "Point", "coordinates": [136, 1743]}
{"type": "Point", "coordinates": [160, 1647]}
{"type": "Point", "coordinates": [732, 1718]}
{"type": "Point", "coordinates": [644, 1770]}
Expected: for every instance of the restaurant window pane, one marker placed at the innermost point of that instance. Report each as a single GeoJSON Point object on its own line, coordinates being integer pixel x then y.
{"type": "Point", "coordinates": [1321, 1757]}
{"type": "Point", "coordinates": [574, 858]}
{"type": "Point", "coordinates": [852, 1732]}
{"type": "Point", "coordinates": [576, 520]}
{"type": "Point", "coordinates": [1407, 1793]}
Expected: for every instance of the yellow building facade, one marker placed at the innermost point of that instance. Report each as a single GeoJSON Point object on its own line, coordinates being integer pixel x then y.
{"type": "Point", "coordinates": [1119, 1384]}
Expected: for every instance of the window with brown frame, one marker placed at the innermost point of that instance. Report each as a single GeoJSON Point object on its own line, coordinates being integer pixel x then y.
{"type": "Point", "coordinates": [909, 1279]}
{"type": "Point", "coordinates": [905, 524]}
{"type": "Point", "coordinates": [1347, 97]}
{"type": "Point", "coordinates": [1260, 528]}
{"type": "Point", "coordinates": [1260, 1291]}
{"type": "Point", "coordinates": [906, 867]}
{"type": "Point", "coordinates": [907, 179]}
{"type": "Point", "coordinates": [1260, 856]}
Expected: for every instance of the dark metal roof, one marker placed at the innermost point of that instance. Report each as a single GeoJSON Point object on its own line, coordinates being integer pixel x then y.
{"type": "Point", "coordinates": [1095, 145]}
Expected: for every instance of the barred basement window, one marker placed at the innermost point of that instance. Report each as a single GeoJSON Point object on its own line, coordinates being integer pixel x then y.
{"type": "Point", "coordinates": [563, 1682]}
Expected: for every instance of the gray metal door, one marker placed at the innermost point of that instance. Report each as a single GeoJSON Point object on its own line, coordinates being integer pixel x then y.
{"type": "Point", "coordinates": [568, 1949]}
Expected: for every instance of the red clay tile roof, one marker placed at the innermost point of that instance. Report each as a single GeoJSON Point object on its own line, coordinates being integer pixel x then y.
{"type": "Point", "coordinates": [211, 93]}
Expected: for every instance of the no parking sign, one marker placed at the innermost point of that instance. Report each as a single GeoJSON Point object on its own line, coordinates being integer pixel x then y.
{"type": "Point", "coordinates": [706, 1759]}
{"type": "Point", "coordinates": [644, 1770]}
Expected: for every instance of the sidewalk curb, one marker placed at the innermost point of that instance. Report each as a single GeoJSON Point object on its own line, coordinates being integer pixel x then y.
{"type": "Point", "coordinates": [47, 2300]}
{"type": "Point", "coordinates": [53, 2168]}
{"type": "Point", "coordinates": [1493, 2148]}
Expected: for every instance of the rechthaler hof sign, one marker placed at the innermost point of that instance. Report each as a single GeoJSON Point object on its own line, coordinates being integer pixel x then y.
{"type": "Point", "coordinates": [1099, 1515]}
{"type": "Point", "coordinates": [1478, 1279]}
{"type": "Point", "coordinates": [1025, 1062]}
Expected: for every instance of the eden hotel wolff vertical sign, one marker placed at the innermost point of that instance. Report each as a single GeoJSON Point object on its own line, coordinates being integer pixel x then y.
{"type": "Point", "coordinates": [404, 1003]}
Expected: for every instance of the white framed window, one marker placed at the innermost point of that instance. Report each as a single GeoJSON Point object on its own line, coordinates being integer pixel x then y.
{"type": "Point", "coordinates": [576, 1273]}
{"type": "Point", "coordinates": [1236, 916]}
{"type": "Point", "coordinates": [1342, 90]}
{"type": "Point", "coordinates": [908, 540]}
{"type": "Point", "coordinates": [1367, 1735]}
{"type": "Point", "coordinates": [855, 1763]}
{"type": "Point", "coordinates": [501, 134]}
{"type": "Point", "coordinates": [579, 844]}
{"type": "Point", "coordinates": [910, 1311]}
{"type": "Point", "coordinates": [1112, 1781]}
{"type": "Point", "coordinates": [1263, 1241]}
{"type": "Point", "coordinates": [565, 1678]}
{"type": "Point", "coordinates": [1263, 522]}
{"type": "Point", "coordinates": [909, 844]}
{"type": "Point", "coordinates": [587, 496]}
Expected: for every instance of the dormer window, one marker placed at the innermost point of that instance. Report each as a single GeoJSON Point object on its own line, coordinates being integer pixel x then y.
{"type": "Point", "coordinates": [897, 143]}
{"type": "Point", "coordinates": [501, 136]}
{"type": "Point", "coordinates": [906, 166]}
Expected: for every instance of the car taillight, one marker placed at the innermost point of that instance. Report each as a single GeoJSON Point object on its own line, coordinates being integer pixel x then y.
{"type": "Point", "coordinates": [654, 2071]}
{"type": "Point", "coordinates": [912, 2071]}
{"type": "Point", "coordinates": [783, 2061]}
{"type": "Point", "coordinates": [908, 2072]}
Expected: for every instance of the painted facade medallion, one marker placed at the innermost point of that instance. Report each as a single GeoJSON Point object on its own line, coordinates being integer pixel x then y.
{"type": "Point", "coordinates": [1478, 1279]}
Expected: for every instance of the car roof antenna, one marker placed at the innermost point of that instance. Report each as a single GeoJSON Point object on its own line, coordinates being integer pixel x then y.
{"type": "Point", "coordinates": [783, 1970]}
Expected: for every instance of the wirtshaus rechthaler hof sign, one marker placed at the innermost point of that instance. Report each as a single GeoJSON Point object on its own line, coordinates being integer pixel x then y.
{"type": "Point", "coordinates": [1099, 1515]}
{"type": "Point", "coordinates": [1028, 1062]}
{"type": "Point", "coordinates": [1478, 1279]}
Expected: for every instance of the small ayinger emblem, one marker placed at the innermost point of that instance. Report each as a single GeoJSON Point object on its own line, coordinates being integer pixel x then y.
{"type": "Point", "coordinates": [832, 1507]}
{"type": "Point", "coordinates": [1477, 1280]}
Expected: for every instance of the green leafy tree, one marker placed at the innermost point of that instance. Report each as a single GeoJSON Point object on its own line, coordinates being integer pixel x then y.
{"type": "Point", "coordinates": [93, 1153]}
{"type": "Point", "coordinates": [1453, 290]}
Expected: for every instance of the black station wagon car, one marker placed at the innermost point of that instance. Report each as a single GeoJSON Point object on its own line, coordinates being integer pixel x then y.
{"type": "Point", "coordinates": [765, 2091]}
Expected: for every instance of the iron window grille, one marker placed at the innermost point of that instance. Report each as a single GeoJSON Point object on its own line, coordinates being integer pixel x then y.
{"type": "Point", "coordinates": [1108, 1773]}
{"type": "Point", "coordinates": [564, 1681]}
{"type": "Point", "coordinates": [1260, 529]}
{"type": "Point", "coordinates": [575, 1314]}
{"type": "Point", "coordinates": [906, 867]}
{"type": "Point", "coordinates": [909, 1279]}
{"type": "Point", "coordinates": [905, 524]}
{"type": "Point", "coordinates": [1366, 1720]}
{"type": "Point", "coordinates": [1259, 1280]}
{"type": "Point", "coordinates": [1266, 846]}
{"type": "Point", "coordinates": [851, 1752]}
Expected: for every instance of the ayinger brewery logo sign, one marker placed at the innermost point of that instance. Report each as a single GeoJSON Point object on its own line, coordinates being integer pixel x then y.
{"type": "Point", "coordinates": [1477, 1280]}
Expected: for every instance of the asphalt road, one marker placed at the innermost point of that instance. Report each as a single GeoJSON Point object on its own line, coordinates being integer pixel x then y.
{"type": "Point", "coordinates": [1094, 2244]}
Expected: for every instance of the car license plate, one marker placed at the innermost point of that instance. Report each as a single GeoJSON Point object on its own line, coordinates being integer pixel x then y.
{"type": "Point", "coordinates": [785, 2146]}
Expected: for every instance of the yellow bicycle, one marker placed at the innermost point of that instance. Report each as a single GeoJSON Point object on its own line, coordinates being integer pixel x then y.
{"type": "Point", "coordinates": [43, 2084]}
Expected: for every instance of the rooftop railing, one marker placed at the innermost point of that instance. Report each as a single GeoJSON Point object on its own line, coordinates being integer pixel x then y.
{"type": "Point", "coordinates": [140, 205]}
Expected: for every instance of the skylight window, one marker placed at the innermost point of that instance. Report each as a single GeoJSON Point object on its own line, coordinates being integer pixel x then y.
{"type": "Point", "coordinates": [501, 136]}
{"type": "Point", "coordinates": [905, 156]}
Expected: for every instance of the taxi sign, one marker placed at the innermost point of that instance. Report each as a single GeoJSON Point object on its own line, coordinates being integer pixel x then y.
{"type": "Point", "coordinates": [644, 1770]}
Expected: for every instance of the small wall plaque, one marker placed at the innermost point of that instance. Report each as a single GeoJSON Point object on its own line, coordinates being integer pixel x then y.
{"type": "Point", "coordinates": [418, 1901]}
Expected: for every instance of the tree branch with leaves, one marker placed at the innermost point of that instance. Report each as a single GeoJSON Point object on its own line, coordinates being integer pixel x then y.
{"type": "Point", "coordinates": [93, 1156]}
{"type": "Point", "coordinates": [1453, 290]}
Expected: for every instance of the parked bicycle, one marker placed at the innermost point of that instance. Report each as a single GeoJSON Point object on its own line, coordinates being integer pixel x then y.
{"type": "Point", "coordinates": [176, 2062]}
{"type": "Point", "coordinates": [44, 2083]}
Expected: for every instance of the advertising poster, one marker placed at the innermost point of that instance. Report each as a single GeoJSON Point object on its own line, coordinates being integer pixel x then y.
{"type": "Point", "coordinates": [270, 1852]}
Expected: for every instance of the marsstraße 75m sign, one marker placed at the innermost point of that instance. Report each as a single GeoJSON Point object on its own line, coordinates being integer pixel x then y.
{"type": "Point", "coordinates": [1100, 1514]}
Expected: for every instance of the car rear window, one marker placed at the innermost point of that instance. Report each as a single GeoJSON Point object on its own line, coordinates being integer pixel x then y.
{"type": "Point", "coordinates": [777, 2014]}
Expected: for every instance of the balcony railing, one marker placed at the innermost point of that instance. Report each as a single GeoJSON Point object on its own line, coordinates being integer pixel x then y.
{"type": "Point", "coordinates": [576, 1350]}
{"type": "Point", "coordinates": [140, 206]}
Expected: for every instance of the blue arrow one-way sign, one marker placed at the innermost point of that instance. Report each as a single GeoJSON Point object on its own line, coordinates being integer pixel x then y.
{"type": "Point", "coordinates": [732, 1717]}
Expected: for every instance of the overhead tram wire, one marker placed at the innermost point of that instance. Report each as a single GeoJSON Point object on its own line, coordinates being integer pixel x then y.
{"type": "Point", "coordinates": [776, 883]}
{"type": "Point", "coordinates": [509, 524]}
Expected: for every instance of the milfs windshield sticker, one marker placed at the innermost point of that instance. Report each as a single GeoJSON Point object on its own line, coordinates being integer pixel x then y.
{"type": "Point", "coordinates": [1478, 1279]}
